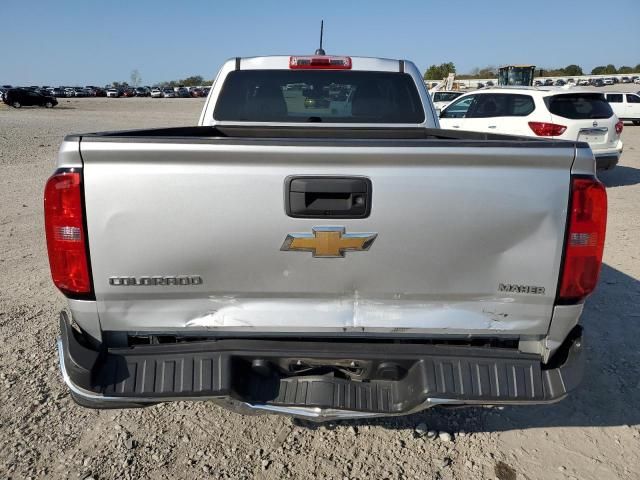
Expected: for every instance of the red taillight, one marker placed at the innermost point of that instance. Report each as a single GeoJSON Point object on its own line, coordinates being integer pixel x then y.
{"type": "Point", "coordinates": [543, 129]}
{"type": "Point", "coordinates": [619, 127]}
{"type": "Point", "coordinates": [320, 62]}
{"type": "Point", "coordinates": [64, 227]}
{"type": "Point", "coordinates": [585, 239]}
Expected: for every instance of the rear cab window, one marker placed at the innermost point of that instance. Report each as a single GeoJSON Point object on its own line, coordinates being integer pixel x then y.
{"type": "Point", "coordinates": [302, 96]}
{"type": "Point", "coordinates": [579, 106]}
{"type": "Point", "coordinates": [614, 97]}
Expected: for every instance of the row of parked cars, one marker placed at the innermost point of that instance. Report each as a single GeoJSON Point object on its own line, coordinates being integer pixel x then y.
{"type": "Point", "coordinates": [47, 96]}
{"type": "Point", "coordinates": [159, 92]}
{"type": "Point", "coordinates": [586, 82]}
{"type": "Point", "coordinates": [179, 92]}
{"type": "Point", "coordinates": [108, 91]}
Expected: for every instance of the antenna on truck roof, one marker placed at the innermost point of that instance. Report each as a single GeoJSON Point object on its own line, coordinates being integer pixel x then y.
{"type": "Point", "coordinates": [320, 51]}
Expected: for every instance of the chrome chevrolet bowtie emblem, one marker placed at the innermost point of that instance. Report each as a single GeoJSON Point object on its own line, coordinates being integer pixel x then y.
{"type": "Point", "coordinates": [595, 124]}
{"type": "Point", "coordinates": [328, 242]}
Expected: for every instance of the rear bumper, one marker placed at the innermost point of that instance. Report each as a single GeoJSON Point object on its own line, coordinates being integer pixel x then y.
{"type": "Point", "coordinates": [242, 375]}
{"type": "Point", "coordinates": [607, 159]}
{"type": "Point", "coordinates": [606, 162]}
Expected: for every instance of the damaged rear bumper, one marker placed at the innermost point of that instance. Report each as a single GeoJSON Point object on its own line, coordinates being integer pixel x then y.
{"type": "Point", "coordinates": [251, 376]}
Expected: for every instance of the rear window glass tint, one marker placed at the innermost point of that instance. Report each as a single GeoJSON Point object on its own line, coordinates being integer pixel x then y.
{"type": "Point", "coordinates": [579, 106]}
{"type": "Point", "coordinates": [521, 105]}
{"type": "Point", "coordinates": [633, 99]}
{"type": "Point", "coordinates": [489, 105]}
{"type": "Point", "coordinates": [502, 105]}
{"type": "Point", "coordinates": [614, 97]}
{"type": "Point", "coordinates": [319, 96]}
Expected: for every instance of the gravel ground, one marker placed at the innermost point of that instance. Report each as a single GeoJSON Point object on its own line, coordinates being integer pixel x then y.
{"type": "Point", "coordinates": [594, 434]}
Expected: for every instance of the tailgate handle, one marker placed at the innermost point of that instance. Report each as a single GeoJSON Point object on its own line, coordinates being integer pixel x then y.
{"type": "Point", "coordinates": [327, 197]}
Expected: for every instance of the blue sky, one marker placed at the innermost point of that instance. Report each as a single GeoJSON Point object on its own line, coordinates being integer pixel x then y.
{"type": "Point", "coordinates": [69, 42]}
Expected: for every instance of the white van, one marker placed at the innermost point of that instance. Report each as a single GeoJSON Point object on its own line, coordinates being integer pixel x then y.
{"type": "Point", "coordinates": [626, 106]}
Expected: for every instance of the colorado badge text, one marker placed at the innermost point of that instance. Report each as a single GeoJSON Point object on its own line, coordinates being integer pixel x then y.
{"type": "Point", "coordinates": [156, 280]}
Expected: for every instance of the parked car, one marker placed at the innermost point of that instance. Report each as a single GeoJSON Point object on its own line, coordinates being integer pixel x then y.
{"type": "Point", "coordinates": [636, 80]}
{"type": "Point", "coordinates": [608, 81]}
{"type": "Point", "coordinates": [128, 92]}
{"type": "Point", "coordinates": [69, 92]}
{"type": "Point", "coordinates": [142, 92]}
{"type": "Point", "coordinates": [99, 92]}
{"type": "Point", "coordinates": [563, 114]}
{"type": "Point", "coordinates": [58, 92]}
{"type": "Point", "coordinates": [560, 83]}
{"type": "Point", "coordinates": [625, 80]}
{"type": "Point", "coordinates": [183, 92]}
{"type": "Point", "coordinates": [156, 93]}
{"type": "Point", "coordinates": [113, 93]}
{"type": "Point", "coordinates": [169, 93]}
{"type": "Point", "coordinates": [583, 83]}
{"type": "Point", "coordinates": [442, 98]}
{"type": "Point", "coordinates": [19, 97]}
{"type": "Point", "coordinates": [195, 92]}
{"type": "Point", "coordinates": [81, 92]}
{"type": "Point", "coordinates": [598, 82]}
{"type": "Point", "coordinates": [538, 83]}
{"type": "Point", "coordinates": [422, 267]}
{"type": "Point", "coordinates": [626, 106]}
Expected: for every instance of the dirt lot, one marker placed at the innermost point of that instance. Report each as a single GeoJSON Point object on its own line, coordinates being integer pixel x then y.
{"type": "Point", "coordinates": [595, 434]}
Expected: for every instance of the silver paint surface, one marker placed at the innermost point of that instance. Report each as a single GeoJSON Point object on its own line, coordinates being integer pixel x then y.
{"type": "Point", "coordinates": [452, 224]}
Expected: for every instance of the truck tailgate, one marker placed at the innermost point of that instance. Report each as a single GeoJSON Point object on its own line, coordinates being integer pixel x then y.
{"type": "Point", "coordinates": [469, 239]}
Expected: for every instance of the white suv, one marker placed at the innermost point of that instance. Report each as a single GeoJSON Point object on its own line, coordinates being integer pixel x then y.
{"type": "Point", "coordinates": [570, 114]}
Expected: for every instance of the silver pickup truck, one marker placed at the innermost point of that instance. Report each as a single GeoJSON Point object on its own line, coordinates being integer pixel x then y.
{"type": "Point", "coordinates": [318, 247]}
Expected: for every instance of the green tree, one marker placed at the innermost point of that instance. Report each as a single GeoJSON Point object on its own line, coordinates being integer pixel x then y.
{"type": "Point", "coordinates": [486, 72]}
{"type": "Point", "coordinates": [609, 69]}
{"type": "Point", "coordinates": [625, 69]}
{"type": "Point", "coordinates": [572, 70]}
{"type": "Point", "coordinates": [553, 72]}
{"type": "Point", "coordinates": [193, 81]}
{"type": "Point", "coordinates": [436, 72]}
{"type": "Point", "coordinates": [600, 70]}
